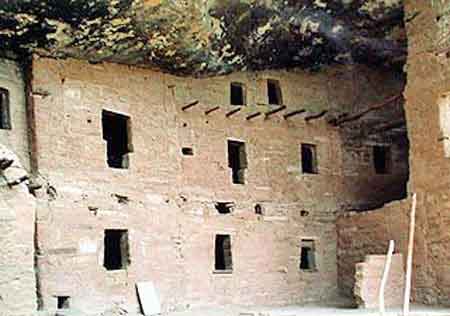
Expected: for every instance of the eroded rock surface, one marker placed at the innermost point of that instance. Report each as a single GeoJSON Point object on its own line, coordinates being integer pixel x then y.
{"type": "Point", "coordinates": [208, 37]}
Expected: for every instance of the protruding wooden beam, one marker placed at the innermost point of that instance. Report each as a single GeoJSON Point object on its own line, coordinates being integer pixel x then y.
{"type": "Point", "coordinates": [189, 105]}
{"type": "Point", "coordinates": [335, 120]}
{"type": "Point", "coordinates": [357, 116]}
{"type": "Point", "coordinates": [278, 109]}
{"type": "Point", "coordinates": [18, 181]}
{"type": "Point", "coordinates": [293, 113]}
{"type": "Point", "coordinates": [253, 115]}
{"type": "Point", "coordinates": [233, 112]}
{"type": "Point", "coordinates": [315, 116]}
{"type": "Point", "coordinates": [387, 126]}
{"type": "Point", "coordinates": [207, 112]}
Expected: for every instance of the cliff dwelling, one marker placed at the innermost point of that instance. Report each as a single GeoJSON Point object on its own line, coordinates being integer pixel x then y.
{"type": "Point", "coordinates": [232, 158]}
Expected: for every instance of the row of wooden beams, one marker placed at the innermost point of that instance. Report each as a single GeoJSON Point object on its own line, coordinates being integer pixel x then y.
{"type": "Point", "coordinates": [256, 114]}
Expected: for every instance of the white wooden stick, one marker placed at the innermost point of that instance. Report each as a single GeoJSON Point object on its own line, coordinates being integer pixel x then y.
{"type": "Point", "coordinates": [409, 261]}
{"type": "Point", "coordinates": [387, 266]}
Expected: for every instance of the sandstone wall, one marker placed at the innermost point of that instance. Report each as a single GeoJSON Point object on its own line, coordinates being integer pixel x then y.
{"type": "Point", "coordinates": [427, 113]}
{"type": "Point", "coordinates": [16, 138]}
{"type": "Point", "coordinates": [17, 206]}
{"type": "Point", "coordinates": [169, 206]}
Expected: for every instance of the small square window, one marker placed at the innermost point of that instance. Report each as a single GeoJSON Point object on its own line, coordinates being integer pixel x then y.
{"type": "Point", "coordinates": [63, 302]}
{"type": "Point", "coordinates": [116, 255]}
{"type": "Point", "coordinates": [187, 151]}
{"type": "Point", "coordinates": [307, 255]}
{"type": "Point", "coordinates": [5, 117]}
{"type": "Point", "coordinates": [237, 93]}
{"type": "Point", "coordinates": [309, 158]}
{"type": "Point", "coordinates": [274, 92]}
{"type": "Point", "coordinates": [382, 159]}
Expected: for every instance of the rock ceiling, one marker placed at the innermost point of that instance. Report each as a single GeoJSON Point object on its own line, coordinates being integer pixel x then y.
{"type": "Point", "coordinates": [208, 37]}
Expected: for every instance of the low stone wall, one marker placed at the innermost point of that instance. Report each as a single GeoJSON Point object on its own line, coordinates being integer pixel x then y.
{"type": "Point", "coordinates": [368, 233]}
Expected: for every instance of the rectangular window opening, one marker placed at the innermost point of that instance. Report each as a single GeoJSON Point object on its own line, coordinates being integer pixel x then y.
{"type": "Point", "coordinates": [116, 256]}
{"type": "Point", "coordinates": [237, 93]}
{"type": "Point", "coordinates": [187, 151]}
{"type": "Point", "coordinates": [5, 116]}
{"type": "Point", "coordinates": [63, 302]}
{"type": "Point", "coordinates": [307, 255]}
{"type": "Point", "coordinates": [223, 257]}
{"type": "Point", "coordinates": [309, 159]}
{"type": "Point", "coordinates": [237, 161]}
{"type": "Point", "coordinates": [382, 159]}
{"type": "Point", "coordinates": [117, 134]}
{"type": "Point", "coordinates": [274, 92]}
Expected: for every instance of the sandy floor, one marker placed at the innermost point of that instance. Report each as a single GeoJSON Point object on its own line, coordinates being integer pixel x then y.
{"type": "Point", "coordinates": [308, 311]}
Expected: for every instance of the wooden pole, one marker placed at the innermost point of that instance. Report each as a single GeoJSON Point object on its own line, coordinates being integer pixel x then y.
{"type": "Point", "coordinates": [296, 112]}
{"type": "Point", "coordinates": [188, 106]}
{"type": "Point", "coordinates": [315, 116]}
{"type": "Point", "coordinates": [251, 116]}
{"type": "Point", "coordinates": [207, 112]}
{"type": "Point", "coordinates": [387, 267]}
{"type": "Point", "coordinates": [409, 260]}
{"type": "Point", "coordinates": [233, 112]}
{"type": "Point", "coordinates": [278, 109]}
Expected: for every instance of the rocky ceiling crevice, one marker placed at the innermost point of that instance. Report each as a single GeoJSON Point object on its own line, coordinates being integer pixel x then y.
{"type": "Point", "coordinates": [208, 37]}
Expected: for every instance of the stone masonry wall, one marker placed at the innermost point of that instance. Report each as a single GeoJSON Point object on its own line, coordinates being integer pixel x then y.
{"type": "Point", "coordinates": [166, 200]}
{"type": "Point", "coordinates": [427, 114]}
{"type": "Point", "coordinates": [17, 206]}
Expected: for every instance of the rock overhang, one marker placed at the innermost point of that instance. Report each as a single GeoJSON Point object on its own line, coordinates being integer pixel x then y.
{"type": "Point", "coordinates": [202, 38]}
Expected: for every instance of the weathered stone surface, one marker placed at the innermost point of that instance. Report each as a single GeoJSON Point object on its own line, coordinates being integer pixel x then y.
{"type": "Point", "coordinates": [368, 233]}
{"type": "Point", "coordinates": [368, 278]}
{"type": "Point", "coordinates": [426, 93]}
{"type": "Point", "coordinates": [170, 213]}
{"type": "Point", "coordinates": [17, 206]}
{"type": "Point", "coordinates": [208, 37]}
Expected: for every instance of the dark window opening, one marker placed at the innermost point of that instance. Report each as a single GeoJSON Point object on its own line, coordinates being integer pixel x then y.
{"type": "Point", "coordinates": [307, 255]}
{"type": "Point", "coordinates": [274, 92]}
{"type": "Point", "coordinates": [382, 159]}
{"type": "Point", "coordinates": [258, 209]}
{"type": "Point", "coordinates": [63, 302]}
{"type": "Point", "coordinates": [224, 207]}
{"type": "Point", "coordinates": [237, 161]}
{"type": "Point", "coordinates": [309, 159]}
{"type": "Point", "coordinates": [5, 117]}
{"type": "Point", "coordinates": [237, 94]}
{"type": "Point", "coordinates": [187, 151]}
{"type": "Point", "coordinates": [224, 261]}
{"type": "Point", "coordinates": [116, 249]}
{"type": "Point", "coordinates": [117, 133]}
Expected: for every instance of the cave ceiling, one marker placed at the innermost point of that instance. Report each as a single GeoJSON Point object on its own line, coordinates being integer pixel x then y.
{"type": "Point", "coordinates": [208, 37]}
